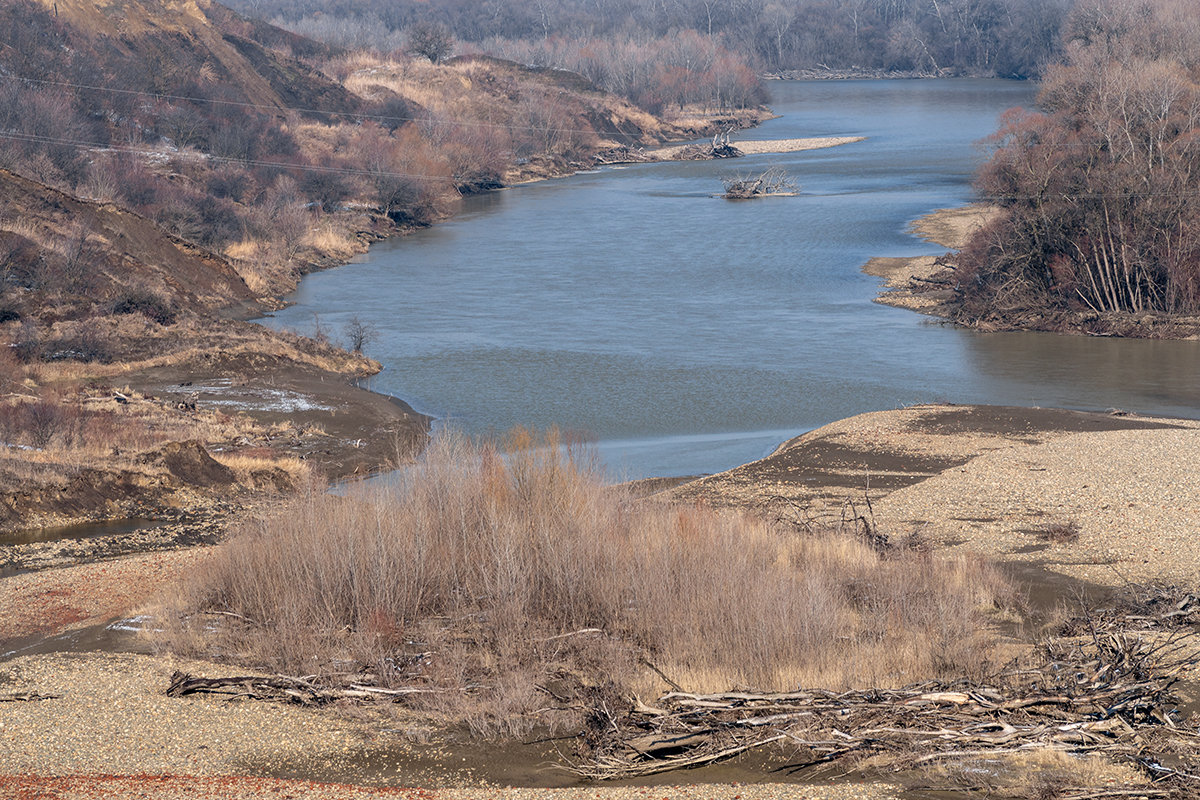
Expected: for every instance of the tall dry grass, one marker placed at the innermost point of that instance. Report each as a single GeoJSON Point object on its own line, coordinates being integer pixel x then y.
{"type": "Point", "coordinates": [478, 568]}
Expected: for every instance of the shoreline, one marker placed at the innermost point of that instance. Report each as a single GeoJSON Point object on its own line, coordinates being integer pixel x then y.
{"type": "Point", "coordinates": [927, 285]}
{"type": "Point", "coordinates": [989, 480]}
{"type": "Point", "coordinates": [981, 479]}
{"type": "Point", "coordinates": [763, 146]}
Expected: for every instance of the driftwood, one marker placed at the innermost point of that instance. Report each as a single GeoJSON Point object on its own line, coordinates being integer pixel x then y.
{"type": "Point", "coordinates": [21, 697]}
{"type": "Point", "coordinates": [1110, 692]}
{"type": "Point", "coordinates": [773, 181]}
{"type": "Point", "coordinates": [306, 690]}
{"type": "Point", "coordinates": [720, 147]}
{"type": "Point", "coordinates": [622, 154]}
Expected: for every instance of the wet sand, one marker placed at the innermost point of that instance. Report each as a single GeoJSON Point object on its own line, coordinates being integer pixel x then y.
{"type": "Point", "coordinates": [912, 282]}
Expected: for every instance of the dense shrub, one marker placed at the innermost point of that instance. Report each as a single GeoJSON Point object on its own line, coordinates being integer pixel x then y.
{"type": "Point", "coordinates": [482, 562]}
{"type": "Point", "coordinates": [146, 302]}
{"type": "Point", "coordinates": [1098, 188]}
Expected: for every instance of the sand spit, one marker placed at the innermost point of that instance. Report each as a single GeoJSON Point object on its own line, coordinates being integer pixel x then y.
{"type": "Point", "coordinates": [995, 480]}
{"type": "Point", "coordinates": [908, 281]}
{"type": "Point", "coordinates": [757, 147]}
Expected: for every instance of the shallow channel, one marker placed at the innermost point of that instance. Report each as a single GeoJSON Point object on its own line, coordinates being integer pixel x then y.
{"type": "Point", "coordinates": [689, 334]}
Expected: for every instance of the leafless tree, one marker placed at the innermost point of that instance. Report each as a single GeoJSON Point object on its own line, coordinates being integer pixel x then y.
{"type": "Point", "coordinates": [359, 334]}
{"type": "Point", "coordinates": [430, 40]}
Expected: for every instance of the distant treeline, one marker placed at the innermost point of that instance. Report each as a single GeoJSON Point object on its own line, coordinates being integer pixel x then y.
{"type": "Point", "coordinates": [1008, 38]}
{"type": "Point", "coordinates": [1100, 189]}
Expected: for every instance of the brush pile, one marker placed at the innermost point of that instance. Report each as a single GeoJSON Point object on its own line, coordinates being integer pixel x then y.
{"type": "Point", "coordinates": [1111, 691]}
{"type": "Point", "coordinates": [773, 181]}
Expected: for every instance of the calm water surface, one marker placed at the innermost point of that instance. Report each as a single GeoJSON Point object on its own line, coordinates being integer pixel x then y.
{"type": "Point", "coordinates": [690, 334]}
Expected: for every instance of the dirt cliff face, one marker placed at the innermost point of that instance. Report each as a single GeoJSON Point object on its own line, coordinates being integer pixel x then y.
{"type": "Point", "coordinates": [118, 250]}
{"type": "Point", "coordinates": [249, 58]}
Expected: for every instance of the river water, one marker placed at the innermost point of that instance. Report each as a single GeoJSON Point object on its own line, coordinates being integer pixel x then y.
{"type": "Point", "coordinates": [690, 334]}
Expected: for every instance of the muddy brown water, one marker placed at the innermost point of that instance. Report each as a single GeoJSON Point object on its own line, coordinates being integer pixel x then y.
{"type": "Point", "coordinates": [115, 636]}
{"type": "Point", "coordinates": [85, 530]}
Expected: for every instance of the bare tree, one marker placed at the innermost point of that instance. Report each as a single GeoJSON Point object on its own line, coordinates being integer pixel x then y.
{"type": "Point", "coordinates": [359, 334]}
{"type": "Point", "coordinates": [430, 40]}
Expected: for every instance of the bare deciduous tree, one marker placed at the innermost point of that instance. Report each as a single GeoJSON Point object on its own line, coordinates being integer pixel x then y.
{"type": "Point", "coordinates": [359, 334]}
{"type": "Point", "coordinates": [430, 40]}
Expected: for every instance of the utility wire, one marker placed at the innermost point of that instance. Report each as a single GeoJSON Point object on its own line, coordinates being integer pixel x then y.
{"type": "Point", "coordinates": [276, 110]}
{"type": "Point", "coordinates": [96, 146]}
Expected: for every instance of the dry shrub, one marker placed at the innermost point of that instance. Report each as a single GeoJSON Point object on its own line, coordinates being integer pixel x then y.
{"type": "Point", "coordinates": [479, 569]}
{"type": "Point", "coordinates": [10, 367]}
{"type": "Point", "coordinates": [1059, 532]}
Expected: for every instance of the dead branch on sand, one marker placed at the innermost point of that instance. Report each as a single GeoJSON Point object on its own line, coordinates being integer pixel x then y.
{"type": "Point", "coordinates": [1110, 692]}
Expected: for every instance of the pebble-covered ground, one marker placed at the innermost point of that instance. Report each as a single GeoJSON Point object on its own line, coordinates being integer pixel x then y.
{"type": "Point", "coordinates": [111, 732]}
{"type": "Point", "coordinates": [992, 480]}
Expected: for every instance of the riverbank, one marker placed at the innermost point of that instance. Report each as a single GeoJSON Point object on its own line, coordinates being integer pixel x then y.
{"type": "Point", "coordinates": [1063, 493]}
{"type": "Point", "coordinates": [763, 146]}
{"type": "Point", "coordinates": [927, 285]}
{"type": "Point", "coordinates": [1105, 498]}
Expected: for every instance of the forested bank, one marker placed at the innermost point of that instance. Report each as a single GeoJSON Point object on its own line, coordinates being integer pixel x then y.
{"type": "Point", "coordinates": [1005, 38]}
{"type": "Point", "coordinates": [1097, 188]}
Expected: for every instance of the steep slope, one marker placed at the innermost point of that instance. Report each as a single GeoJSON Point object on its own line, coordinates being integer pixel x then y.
{"type": "Point", "coordinates": [105, 251]}
{"type": "Point", "coordinates": [174, 42]}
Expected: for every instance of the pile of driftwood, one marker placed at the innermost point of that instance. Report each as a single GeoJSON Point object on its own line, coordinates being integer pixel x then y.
{"type": "Point", "coordinates": [309, 690]}
{"type": "Point", "coordinates": [720, 147]}
{"type": "Point", "coordinates": [1105, 684]}
{"type": "Point", "coordinates": [1111, 692]}
{"type": "Point", "coordinates": [622, 154]}
{"type": "Point", "coordinates": [773, 181]}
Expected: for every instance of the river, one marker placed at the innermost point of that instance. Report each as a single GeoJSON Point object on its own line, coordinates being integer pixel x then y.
{"type": "Point", "coordinates": [689, 334]}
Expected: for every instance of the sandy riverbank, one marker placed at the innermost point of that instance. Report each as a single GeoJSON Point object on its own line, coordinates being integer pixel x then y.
{"type": "Point", "coordinates": [908, 281]}
{"type": "Point", "coordinates": [927, 284]}
{"type": "Point", "coordinates": [987, 479]}
{"type": "Point", "coordinates": [760, 146]}
{"type": "Point", "coordinates": [994, 480]}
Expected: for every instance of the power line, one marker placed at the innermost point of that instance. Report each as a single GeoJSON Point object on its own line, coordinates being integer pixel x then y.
{"type": "Point", "coordinates": [275, 110]}
{"type": "Point", "coordinates": [24, 137]}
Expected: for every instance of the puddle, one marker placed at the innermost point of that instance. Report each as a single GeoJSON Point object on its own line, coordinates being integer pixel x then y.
{"type": "Point", "coordinates": [537, 764]}
{"type": "Point", "coordinates": [84, 530]}
{"type": "Point", "coordinates": [119, 636]}
{"type": "Point", "coordinates": [221, 393]}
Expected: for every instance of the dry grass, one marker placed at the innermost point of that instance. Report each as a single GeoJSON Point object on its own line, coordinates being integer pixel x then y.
{"type": "Point", "coordinates": [262, 467]}
{"type": "Point", "coordinates": [140, 345]}
{"type": "Point", "coordinates": [332, 240]}
{"type": "Point", "coordinates": [432, 87]}
{"type": "Point", "coordinates": [480, 570]}
{"type": "Point", "coordinates": [1042, 774]}
{"type": "Point", "coordinates": [55, 443]}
